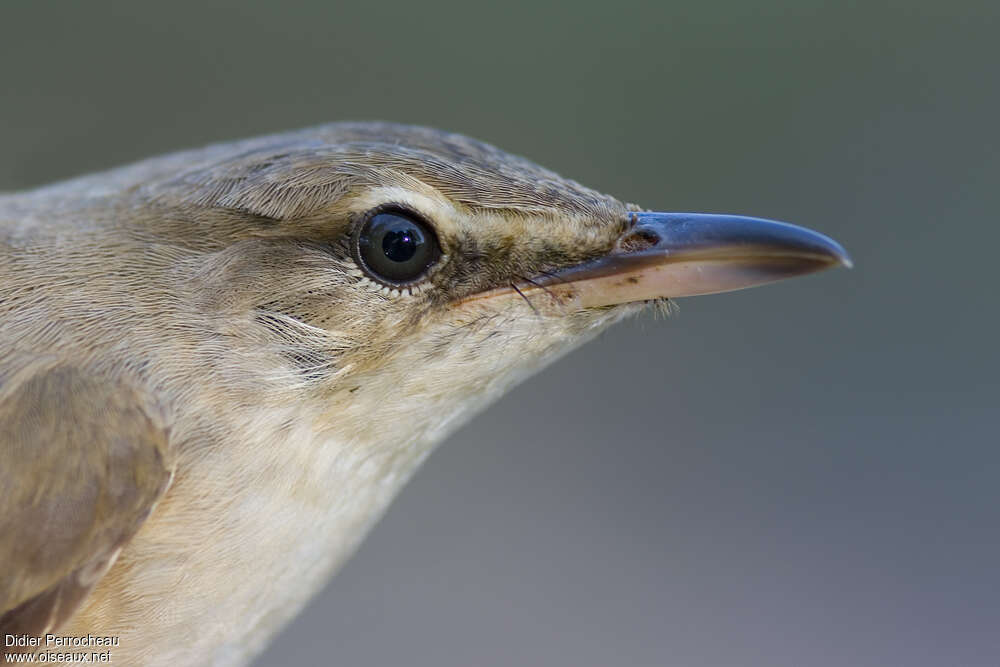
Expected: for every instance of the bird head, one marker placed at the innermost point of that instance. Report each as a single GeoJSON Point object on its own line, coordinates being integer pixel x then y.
{"type": "Point", "coordinates": [403, 277]}
{"type": "Point", "coordinates": [292, 323]}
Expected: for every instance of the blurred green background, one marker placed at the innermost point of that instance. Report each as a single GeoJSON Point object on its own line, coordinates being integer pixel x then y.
{"type": "Point", "coordinates": [804, 474]}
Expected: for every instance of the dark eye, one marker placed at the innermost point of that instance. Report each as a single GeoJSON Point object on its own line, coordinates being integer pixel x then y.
{"type": "Point", "coordinates": [396, 247]}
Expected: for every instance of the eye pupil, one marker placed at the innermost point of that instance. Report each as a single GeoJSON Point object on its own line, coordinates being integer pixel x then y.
{"type": "Point", "coordinates": [400, 246]}
{"type": "Point", "coordinates": [396, 247]}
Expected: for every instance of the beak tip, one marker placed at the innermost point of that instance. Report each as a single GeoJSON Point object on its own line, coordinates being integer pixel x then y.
{"type": "Point", "coordinates": [838, 255]}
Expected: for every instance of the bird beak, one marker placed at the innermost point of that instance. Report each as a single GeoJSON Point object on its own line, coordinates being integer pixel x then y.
{"type": "Point", "coordinates": [663, 255]}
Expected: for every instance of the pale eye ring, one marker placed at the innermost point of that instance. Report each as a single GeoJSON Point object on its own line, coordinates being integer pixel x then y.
{"type": "Point", "coordinates": [395, 246]}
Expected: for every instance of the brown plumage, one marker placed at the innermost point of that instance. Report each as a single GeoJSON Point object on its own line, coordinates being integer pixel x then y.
{"type": "Point", "coordinates": [206, 318]}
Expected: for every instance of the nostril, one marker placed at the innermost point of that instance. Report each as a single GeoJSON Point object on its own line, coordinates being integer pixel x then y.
{"type": "Point", "coordinates": [638, 240]}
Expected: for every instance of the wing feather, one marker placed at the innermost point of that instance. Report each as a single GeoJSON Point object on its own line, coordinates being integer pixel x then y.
{"type": "Point", "coordinates": [83, 461]}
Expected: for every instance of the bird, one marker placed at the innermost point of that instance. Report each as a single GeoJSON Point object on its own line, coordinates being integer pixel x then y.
{"type": "Point", "coordinates": [219, 366]}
